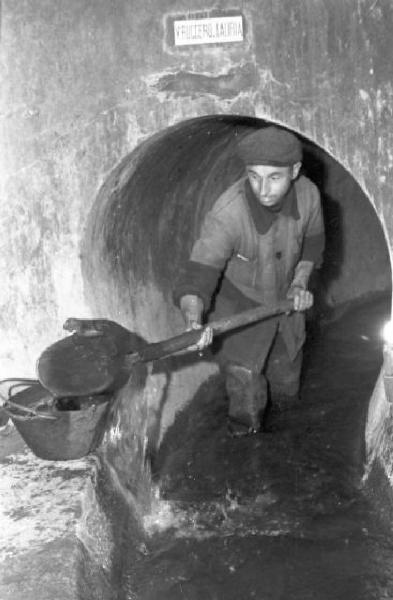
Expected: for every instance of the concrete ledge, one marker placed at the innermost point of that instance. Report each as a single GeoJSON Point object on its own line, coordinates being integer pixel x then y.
{"type": "Point", "coordinates": [40, 512]}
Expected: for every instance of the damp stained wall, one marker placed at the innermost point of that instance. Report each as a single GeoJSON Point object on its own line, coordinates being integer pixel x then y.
{"type": "Point", "coordinates": [86, 82]}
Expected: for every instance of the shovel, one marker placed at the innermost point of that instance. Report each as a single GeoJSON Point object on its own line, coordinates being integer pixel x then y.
{"type": "Point", "coordinates": [100, 354]}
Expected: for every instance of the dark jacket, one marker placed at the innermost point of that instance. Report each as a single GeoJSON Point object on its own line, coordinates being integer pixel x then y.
{"type": "Point", "coordinates": [256, 252]}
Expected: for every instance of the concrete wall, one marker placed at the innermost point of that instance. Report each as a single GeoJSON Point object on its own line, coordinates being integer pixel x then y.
{"type": "Point", "coordinates": [90, 87]}
{"type": "Point", "coordinates": [86, 82]}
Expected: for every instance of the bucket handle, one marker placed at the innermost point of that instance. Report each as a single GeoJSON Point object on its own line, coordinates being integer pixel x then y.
{"type": "Point", "coordinates": [7, 405]}
{"type": "Point", "coordinates": [19, 382]}
{"type": "Point", "coordinates": [30, 413]}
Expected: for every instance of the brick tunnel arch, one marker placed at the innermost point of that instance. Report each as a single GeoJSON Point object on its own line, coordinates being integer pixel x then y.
{"type": "Point", "coordinates": [148, 212]}
{"type": "Point", "coordinates": [138, 233]}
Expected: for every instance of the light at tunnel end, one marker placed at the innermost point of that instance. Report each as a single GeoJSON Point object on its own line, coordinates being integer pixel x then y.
{"type": "Point", "coordinates": [387, 333]}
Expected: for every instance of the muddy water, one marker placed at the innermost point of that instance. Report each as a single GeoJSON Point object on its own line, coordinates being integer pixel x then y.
{"type": "Point", "coordinates": [280, 515]}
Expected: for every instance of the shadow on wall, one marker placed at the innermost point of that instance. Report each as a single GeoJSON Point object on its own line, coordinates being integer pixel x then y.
{"type": "Point", "coordinates": [356, 260]}
{"type": "Point", "coordinates": [149, 211]}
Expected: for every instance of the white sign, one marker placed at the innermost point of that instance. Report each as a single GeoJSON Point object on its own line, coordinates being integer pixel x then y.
{"type": "Point", "coordinates": [208, 31]}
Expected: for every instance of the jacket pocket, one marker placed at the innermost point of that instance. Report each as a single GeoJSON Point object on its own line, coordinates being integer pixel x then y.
{"type": "Point", "coordinates": [242, 270]}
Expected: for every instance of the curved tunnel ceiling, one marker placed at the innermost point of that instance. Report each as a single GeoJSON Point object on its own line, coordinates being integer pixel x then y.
{"type": "Point", "coordinates": [147, 214]}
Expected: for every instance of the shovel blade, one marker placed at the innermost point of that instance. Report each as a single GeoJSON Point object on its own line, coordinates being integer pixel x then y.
{"type": "Point", "coordinates": [79, 365]}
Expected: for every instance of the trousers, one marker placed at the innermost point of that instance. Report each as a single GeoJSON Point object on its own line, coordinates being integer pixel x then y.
{"type": "Point", "coordinates": [256, 366]}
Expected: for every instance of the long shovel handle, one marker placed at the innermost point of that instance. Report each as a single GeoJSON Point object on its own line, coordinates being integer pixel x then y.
{"type": "Point", "coordinates": [180, 342]}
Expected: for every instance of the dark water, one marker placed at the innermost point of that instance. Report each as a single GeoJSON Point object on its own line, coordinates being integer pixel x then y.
{"type": "Point", "coordinates": [281, 515]}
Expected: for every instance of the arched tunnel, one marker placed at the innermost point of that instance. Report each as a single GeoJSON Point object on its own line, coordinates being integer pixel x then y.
{"type": "Point", "coordinates": [148, 213]}
{"type": "Point", "coordinates": [206, 500]}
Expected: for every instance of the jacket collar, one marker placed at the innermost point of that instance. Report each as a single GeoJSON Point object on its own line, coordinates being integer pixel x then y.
{"type": "Point", "coordinates": [263, 217]}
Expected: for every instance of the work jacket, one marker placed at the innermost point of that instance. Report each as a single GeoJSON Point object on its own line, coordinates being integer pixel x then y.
{"type": "Point", "coordinates": [257, 265]}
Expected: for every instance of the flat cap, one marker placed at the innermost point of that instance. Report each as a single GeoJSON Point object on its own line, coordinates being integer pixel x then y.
{"type": "Point", "coordinates": [270, 146]}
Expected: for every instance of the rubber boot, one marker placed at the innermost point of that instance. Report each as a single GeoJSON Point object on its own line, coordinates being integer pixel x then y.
{"type": "Point", "coordinates": [247, 393]}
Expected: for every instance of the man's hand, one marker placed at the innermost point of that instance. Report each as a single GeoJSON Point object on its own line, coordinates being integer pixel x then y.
{"type": "Point", "coordinates": [302, 299]}
{"type": "Point", "coordinates": [204, 341]}
{"type": "Point", "coordinates": [192, 309]}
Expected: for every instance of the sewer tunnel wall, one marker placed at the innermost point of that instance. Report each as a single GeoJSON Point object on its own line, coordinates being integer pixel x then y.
{"type": "Point", "coordinates": [139, 233]}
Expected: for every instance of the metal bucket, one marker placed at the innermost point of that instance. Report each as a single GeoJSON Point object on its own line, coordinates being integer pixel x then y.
{"type": "Point", "coordinates": [57, 428]}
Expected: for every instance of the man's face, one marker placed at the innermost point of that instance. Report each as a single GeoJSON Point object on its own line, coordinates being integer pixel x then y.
{"type": "Point", "coordinates": [270, 184]}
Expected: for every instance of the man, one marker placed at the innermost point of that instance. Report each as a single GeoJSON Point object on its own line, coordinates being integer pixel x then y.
{"type": "Point", "coordinates": [258, 244]}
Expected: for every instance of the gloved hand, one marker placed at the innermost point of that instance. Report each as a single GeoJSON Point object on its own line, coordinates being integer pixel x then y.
{"type": "Point", "coordinates": [302, 298]}
{"type": "Point", "coordinates": [191, 307]}
{"type": "Point", "coordinates": [204, 341]}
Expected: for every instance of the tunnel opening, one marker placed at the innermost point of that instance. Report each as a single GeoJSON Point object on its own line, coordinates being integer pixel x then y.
{"type": "Point", "coordinates": [140, 231]}
{"type": "Point", "coordinates": [148, 213]}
